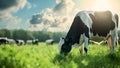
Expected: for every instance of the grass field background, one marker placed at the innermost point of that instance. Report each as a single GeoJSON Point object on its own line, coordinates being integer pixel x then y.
{"type": "Point", "coordinates": [46, 56]}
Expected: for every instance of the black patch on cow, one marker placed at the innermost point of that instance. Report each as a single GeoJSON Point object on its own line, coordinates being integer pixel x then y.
{"type": "Point", "coordinates": [85, 49]}
{"type": "Point", "coordinates": [65, 49]}
{"type": "Point", "coordinates": [77, 28]}
{"type": "Point", "coordinates": [3, 41]}
{"type": "Point", "coordinates": [102, 23]}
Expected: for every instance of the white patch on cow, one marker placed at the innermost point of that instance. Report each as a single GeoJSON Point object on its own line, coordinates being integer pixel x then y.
{"type": "Point", "coordinates": [84, 15]}
{"type": "Point", "coordinates": [60, 44]}
{"type": "Point", "coordinates": [11, 41]}
{"type": "Point", "coordinates": [114, 19]}
{"type": "Point", "coordinates": [81, 39]}
{"type": "Point", "coordinates": [29, 41]}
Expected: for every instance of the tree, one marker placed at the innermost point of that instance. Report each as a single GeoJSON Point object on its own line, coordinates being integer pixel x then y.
{"type": "Point", "coordinates": [5, 33]}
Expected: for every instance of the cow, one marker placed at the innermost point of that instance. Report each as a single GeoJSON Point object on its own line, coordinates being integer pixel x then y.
{"type": "Point", "coordinates": [87, 24]}
{"type": "Point", "coordinates": [19, 42]}
{"type": "Point", "coordinates": [35, 41]}
{"type": "Point", "coordinates": [11, 41]}
{"type": "Point", "coordinates": [49, 41]}
{"type": "Point", "coordinates": [3, 40]}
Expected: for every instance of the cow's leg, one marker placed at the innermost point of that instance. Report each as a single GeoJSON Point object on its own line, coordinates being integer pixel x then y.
{"type": "Point", "coordinates": [117, 41]}
{"type": "Point", "coordinates": [114, 38]}
{"type": "Point", "coordinates": [113, 44]}
{"type": "Point", "coordinates": [81, 49]}
{"type": "Point", "coordinates": [109, 41]}
{"type": "Point", "coordinates": [86, 45]}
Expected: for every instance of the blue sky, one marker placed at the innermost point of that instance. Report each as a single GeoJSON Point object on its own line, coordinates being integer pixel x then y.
{"type": "Point", "coordinates": [36, 6]}
{"type": "Point", "coordinates": [47, 15]}
{"type": "Point", "coordinates": [30, 7]}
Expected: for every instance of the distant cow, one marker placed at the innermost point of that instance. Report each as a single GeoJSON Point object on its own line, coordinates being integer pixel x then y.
{"type": "Point", "coordinates": [20, 42]}
{"type": "Point", "coordinates": [87, 24]}
{"type": "Point", "coordinates": [35, 41]}
{"type": "Point", "coordinates": [49, 41]}
{"type": "Point", "coordinates": [3, 40]}
{"type": "Point", "coordinates": [11, 41]}
{"type": "Point", "coordinates": [29, 42]}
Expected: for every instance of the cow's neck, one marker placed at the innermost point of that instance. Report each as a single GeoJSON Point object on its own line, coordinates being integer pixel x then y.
{"type": "Point", "coordinates": [74, 31]}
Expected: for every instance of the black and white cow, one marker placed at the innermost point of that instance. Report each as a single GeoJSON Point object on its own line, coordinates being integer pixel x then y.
{"type": "Point", "coordinates": [50, 41]}
{"type": "Point", "coordinates": [11, 41]}
{"type": "Point", "coordinates": [87, 24]}
{"type": "Point", "coordinates": [35, 41]}
{"type": "Point", "coordinates": [19, 42]}
{"type": "Point", "coordinates": [3, 40]}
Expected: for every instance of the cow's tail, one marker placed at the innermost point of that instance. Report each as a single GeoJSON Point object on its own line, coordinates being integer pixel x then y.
{"type": "Point", "coordinates": [117, 19]}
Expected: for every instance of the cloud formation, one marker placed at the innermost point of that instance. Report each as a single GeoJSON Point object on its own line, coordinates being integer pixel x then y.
{"type": "Point", "coordinates": [5, 4]}
{"type": "Point", "coordinates": [64, 6]}
{"type": "Point", "coordinates": [47, 19]}
{"type": "Point", "coordinates": [9, 6]}
{"type": "Point", "coordinates": [10, 23]}
{"type": "Point", "coordinates": [54, 19]}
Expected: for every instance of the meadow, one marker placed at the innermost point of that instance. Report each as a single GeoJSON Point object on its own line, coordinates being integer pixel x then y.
{"type": "Point", "coordinates": [46, 56]}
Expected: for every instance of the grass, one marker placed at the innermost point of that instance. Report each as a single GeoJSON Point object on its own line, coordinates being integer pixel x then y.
{"type": "Point", "coordinates": [45, 56]}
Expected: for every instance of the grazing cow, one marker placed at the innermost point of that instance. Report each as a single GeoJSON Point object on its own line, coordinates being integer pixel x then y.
{"type": "Point", "coordinates": [49, 41]}
{"type": "Point", "coordinates": [3, 40]}
{"type": "Point", "coordinates": [35, 41]}
{"type": "Point", "coordinates": [11, 41]}
{"type": "Point", "coordinates": [29, 42]}
{"type": "Point", "coordinates": [87, 24]}
{"type": "Point", "coordinates": [20, 42]}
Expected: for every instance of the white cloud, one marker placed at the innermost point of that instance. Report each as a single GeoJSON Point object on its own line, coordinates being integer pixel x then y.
{"type": "Point", "coordinates": [54, 19]}
{"type": "Point", "coordinates": [9, 6]}
{"type": "Point", "coordinates": [47, 20]}
{"type": "Point", "coordinates": [29, 5]}
{"type": "Point", "coordinates": [4, 15]}
{"type": "Point", "coordinates": [11, 23]}
{"type": "Point", "coordinates": [58, 1]}
{"type": "Point", "coordinates": [64, 6]}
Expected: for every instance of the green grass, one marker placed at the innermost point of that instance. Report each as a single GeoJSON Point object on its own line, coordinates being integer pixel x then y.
{"type": "Point", "coordinates": [45, 56]}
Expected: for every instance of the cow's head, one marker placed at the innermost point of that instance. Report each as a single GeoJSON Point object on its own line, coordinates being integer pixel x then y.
{"type": "Point", "coordinates": [65, 46]}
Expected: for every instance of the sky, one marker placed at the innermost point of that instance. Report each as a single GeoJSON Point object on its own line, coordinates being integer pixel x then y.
{"type": "Point", "coordinates": [48, 15]}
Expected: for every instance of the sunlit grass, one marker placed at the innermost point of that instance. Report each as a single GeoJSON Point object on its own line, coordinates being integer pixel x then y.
{"type": "Point", "coordinates": [46, 56]}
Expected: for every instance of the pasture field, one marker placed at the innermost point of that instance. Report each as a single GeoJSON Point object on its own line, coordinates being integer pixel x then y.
{"type": "Point", "coordinates": [45, 56]}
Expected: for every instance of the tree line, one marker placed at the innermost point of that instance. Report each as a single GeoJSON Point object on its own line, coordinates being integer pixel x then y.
{"type": "Point", "coordinates": [40, 35]}
{"type": "Point", "coordinates": [28, 35]}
